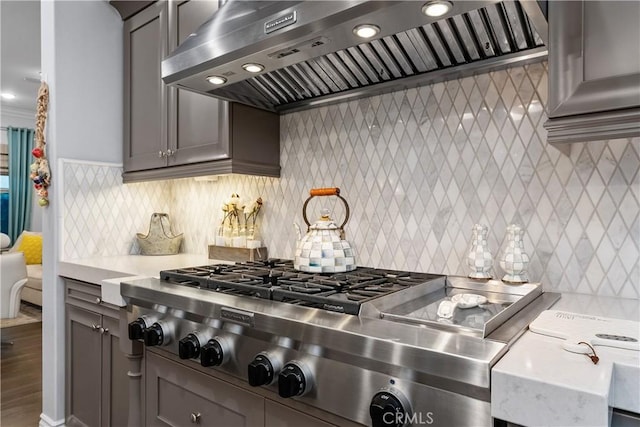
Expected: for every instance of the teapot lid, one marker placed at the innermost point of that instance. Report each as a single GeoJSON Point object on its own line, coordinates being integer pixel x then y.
{"type": "Point", "coordinates": [324, 222]}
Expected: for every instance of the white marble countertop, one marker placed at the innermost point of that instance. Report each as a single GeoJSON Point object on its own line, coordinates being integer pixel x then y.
{"type": "Point", "coordinates": [95, 270]}
{"type": "Point", "coordinates": [539, 383]}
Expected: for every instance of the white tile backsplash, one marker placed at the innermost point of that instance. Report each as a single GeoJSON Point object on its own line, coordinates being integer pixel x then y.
{"type": "Point", "coordinates": [100, 215]}
{"type": "Point", "coordinates": [419, 167]}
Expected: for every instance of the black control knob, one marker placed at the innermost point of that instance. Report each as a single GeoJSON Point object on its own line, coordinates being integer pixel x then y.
{"type": "Point", "coordinates": [260, 371]}
{"type": "Point", "coordinates": [212, 353]}
{"type": "Point", "coordinates": [189, 347]}
{"type": "Point", "coordinates": [386, 410]}
{"type": "Point", "coordinates": [136, 329]}
{"type": "Point", "coordinates": [153, 335]}
{"type": "Point", "coordinates": [293, 381]}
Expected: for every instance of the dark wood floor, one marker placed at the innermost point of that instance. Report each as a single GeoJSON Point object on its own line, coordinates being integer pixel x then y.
{"type": "Point", "coordinates": [21, 376]}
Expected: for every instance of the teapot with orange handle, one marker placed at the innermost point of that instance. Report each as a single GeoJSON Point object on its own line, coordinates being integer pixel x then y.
{"type": "Point", "coordinates": [323, 249]}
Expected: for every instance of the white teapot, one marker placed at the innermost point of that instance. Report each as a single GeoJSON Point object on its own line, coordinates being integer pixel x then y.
{"type": "Point", "coordinates": [323, 249]}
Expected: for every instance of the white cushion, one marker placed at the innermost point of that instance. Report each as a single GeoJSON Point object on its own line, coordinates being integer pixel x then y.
{"type": "Point", "coordinates": [34, 274]}
{"type": "Point", "coordinates": [5, 241]}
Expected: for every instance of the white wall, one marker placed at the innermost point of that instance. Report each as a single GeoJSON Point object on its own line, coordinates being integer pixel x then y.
{"type": "Point", "coordinates": [82, 63]}
{"type": "Point", "coordinates": [24, 119]}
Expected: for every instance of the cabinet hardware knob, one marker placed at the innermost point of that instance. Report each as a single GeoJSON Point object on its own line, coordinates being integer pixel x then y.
{"type": "Point", "coordinates": [161, 154]}
{"type": "Point", "coordinates": [104, 330]}
{"type": "Point", "coordinates": [95, 327]}
{"type": "Point", "coordinates": [195, 417]}
{"type": "Point", "coordinates": [170, 152]}
{"type": "Point", "coordinates": [98, 300]}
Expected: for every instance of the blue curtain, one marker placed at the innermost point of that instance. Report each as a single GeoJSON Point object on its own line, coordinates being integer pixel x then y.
{"type": "Point", "coordinates": [20, 186]}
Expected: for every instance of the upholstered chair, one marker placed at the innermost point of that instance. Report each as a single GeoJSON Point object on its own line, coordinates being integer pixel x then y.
{"type": "Point", "coordinates": [13, 276]}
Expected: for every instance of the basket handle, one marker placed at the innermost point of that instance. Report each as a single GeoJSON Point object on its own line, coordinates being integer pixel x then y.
{"type": "Point", "coordinates": [319, 192]}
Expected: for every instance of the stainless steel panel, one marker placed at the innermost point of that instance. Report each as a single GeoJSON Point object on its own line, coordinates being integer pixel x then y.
{"type": "Point", "coordinates": [349, 399]}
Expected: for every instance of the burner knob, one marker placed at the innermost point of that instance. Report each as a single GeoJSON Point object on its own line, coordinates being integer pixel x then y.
{"type": "Point", "coordinates": [262, 370]}
{"type": "Point", "coordinates": [157, 334]}
{"type": "Point", "coordinates": [189, 347]}
{"type": "Point", "coordinates": [389, 407]}
{"type": "Point", "coordinates": [215, 352]}
{"type": "Point", "coordinates": [294, 380]}
{"type": "Point", "coordinates": [137, 327]}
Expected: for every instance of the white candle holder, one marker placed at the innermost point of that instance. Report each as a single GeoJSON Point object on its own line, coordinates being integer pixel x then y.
{"type": "Point", "coordinates": [513, 260]}
{"type": "Point", "coordinates": [479, 258]}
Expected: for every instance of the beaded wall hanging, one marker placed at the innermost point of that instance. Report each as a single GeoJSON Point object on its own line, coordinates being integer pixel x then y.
{"type": "Point", "coordinates": [40, 173]}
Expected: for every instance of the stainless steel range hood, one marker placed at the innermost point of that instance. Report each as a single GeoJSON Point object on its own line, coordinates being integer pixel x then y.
{"type": "Point", "coordinates": [311, 55]}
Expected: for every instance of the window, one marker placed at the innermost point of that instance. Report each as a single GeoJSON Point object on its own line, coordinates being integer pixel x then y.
{"type": "Point", "coordinates": [4, 189]}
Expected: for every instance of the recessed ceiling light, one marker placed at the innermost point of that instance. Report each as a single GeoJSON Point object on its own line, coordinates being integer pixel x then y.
{"type": "Point", "coordinates": [436, 8]}
{"type": "Point", "coordinates": [253, 68]}
{"type": "Point", "coordinates": [6, 95]}
{"type": "Point", "coordinates": [366, 31]}
{"type": "Point", "coordinates": [216, 80]}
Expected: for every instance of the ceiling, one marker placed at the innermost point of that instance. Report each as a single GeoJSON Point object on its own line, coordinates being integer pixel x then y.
{"type": "Point", "coordinates": [20, 53]}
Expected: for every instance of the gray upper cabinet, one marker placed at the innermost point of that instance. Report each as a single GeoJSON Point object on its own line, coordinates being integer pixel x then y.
{"type": "Point", "coordinates": [594, 70]}
{"type": "Point", "coordinates": [198, 130]}
{"type": "Point", "coordinates": [145, 109]}
{"type": "Point", "coordinates": [174, 133]}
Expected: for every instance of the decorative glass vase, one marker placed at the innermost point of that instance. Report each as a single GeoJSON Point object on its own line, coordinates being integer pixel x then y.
{"type": "Point", "coordinates": [513, 260]}
{"type": "Point", "coordinates": [479, 258]}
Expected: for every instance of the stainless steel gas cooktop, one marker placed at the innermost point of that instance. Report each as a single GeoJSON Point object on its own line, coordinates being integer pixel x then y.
{"type": "Point", "coordinates": [294, 333]}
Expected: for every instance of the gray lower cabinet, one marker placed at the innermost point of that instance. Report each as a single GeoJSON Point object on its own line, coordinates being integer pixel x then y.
{"type": "Point", "coordinates": [97, 386]}
{"type": "Point", "coordinates": [174, 133]}
{"type": "Point", "coordinates": [179, 396]}
{"type": "Point", "coordinates": [594, 70]}
{"type": "Point", "coordinates": [277, 415]}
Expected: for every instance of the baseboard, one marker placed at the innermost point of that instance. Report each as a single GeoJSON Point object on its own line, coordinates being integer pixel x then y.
{"type": "Point", "coordinates": [45, 421]}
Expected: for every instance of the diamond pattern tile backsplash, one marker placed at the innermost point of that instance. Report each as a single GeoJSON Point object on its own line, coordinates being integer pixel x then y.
{"type": "Point", "coordinates": [419, 168]}
{"type": "Point", "coordinates": [100, 215]}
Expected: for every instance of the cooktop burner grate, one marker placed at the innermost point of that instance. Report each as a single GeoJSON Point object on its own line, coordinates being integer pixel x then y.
{"type": "Point", "coordinates": [277, 280]}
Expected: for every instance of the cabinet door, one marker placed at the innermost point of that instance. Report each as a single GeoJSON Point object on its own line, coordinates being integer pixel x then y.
{"type": "Point", "coordinates": [115, 382]}
{"type": "Point", "coordinates": [179, 396]}
{"type": "Point", "coordinates": [83, 367]}
{"type": "Point", "coordinates": [277, 415]}
{"type": "Point", "coordinates": [145, 106]}
{"type": "Point", "coordinates": [594, 70]}
{"type": "Point", "coordinates": [198, 126]}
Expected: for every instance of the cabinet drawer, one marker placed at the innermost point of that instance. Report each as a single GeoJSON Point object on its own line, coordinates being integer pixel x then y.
{"type": "Point", "coordinates": [81, 291]}
{"type": "Point", "coordinates": [180, 396]}
{"type": "Point", "coordinates": [89, 296]}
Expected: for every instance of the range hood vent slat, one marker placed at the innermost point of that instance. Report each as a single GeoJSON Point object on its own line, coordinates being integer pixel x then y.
{"type": "Point", "coordinates": [415, 58]}
{"type": "Point", "coordinates": [383, 53]}
{"type": "Point", "coordinates": [420, 42]}
{"type": "Point", "coordinates": [480, 30]}
{"type": "Point", "coordinates": [470, 37]}
{"type": "Point", "coordinates": [318, 64]}
{"type": "Point", "coordinates": [353, 67]}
